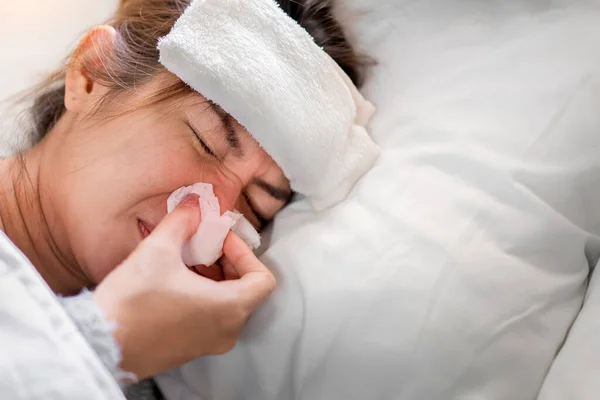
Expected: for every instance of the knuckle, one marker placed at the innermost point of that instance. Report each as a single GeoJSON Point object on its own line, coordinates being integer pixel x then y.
{"type": "Point", "coordinates": [248, 258]}
{"type": "Point", "coordinates": [232, 318]}
{"type": "Point", "coordinates": [270, 283]}
{"type": "Point", "coordinates": [155, 247]}
{"type": "Point", "coordinates": [225, 346]}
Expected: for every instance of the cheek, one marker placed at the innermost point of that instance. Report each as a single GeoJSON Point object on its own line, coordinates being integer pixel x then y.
{"type": "Point", "coordinates": [110, 187]}
{"type": "Point", "coordinates": [119, 180]}
{"type": "Point", "coordinates": [129, 175]}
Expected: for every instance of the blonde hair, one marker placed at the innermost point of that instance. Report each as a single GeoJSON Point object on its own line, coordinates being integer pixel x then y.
{"type": "Point", "coordinates": [140, 23]}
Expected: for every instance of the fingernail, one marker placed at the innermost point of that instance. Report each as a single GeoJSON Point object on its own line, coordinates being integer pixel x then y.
{"type": "Point", "coordinates": [191, 200]}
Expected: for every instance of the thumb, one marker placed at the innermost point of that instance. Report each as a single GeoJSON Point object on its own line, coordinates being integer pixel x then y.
{"type": "Point", "coordinates": [178, 226]}
{"type": "Point", "coordinates": [240, 256]}
{"type": "Point", "coordinates": [256, 281]}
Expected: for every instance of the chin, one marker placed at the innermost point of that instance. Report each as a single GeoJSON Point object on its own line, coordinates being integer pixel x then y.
{"type": "Point", "coordinates": [100, 266]}
{"type": "Point", "coordinates": [104, 251]}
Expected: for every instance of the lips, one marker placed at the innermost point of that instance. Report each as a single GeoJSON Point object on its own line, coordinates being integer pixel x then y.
{"type": "Point", "coordinates": [144, 229]}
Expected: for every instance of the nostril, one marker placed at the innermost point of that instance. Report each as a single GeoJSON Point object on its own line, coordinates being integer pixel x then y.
{"type": "Point", "coordinates": [228, 199]}
{"type": "Point", "coordinates": [191, 200]}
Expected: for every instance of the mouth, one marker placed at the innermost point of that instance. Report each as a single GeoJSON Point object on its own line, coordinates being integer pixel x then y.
{"type": "Point", "coordinates": [144, 229]}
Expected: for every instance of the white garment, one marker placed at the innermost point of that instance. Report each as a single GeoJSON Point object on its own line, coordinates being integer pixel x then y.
{"type": "Point", "coordinates": [42, 353]}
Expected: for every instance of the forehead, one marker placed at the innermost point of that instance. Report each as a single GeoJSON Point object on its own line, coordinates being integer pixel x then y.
{"type": "Point", "coordinates": [171, 98]}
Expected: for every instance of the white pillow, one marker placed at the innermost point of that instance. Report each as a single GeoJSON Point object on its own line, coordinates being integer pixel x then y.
{"type": "Point", "coordinates": [457, 265]}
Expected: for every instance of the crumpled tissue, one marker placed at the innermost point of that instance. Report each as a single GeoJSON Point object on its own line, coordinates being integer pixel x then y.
{"type": "Point", "coordinates": [205, 247]}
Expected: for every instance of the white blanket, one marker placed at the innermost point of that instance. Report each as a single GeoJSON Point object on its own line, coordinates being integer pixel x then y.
{"type": "Point", "coordinates": [41, 351]}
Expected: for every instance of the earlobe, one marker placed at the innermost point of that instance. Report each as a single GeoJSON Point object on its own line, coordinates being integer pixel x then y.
{"type": "Point", "coordinates": [92, 53]}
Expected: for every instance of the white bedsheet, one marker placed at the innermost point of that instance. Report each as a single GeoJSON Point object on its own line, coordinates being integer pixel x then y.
{"type": "Point", "coordinates": [456, 267]}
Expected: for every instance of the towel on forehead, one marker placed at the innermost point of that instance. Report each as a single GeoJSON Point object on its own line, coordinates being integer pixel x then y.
{"type": "Point", "coordinates": [264, 69]}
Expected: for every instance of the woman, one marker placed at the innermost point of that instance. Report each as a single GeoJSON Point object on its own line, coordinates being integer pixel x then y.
{"type": "Point", "coordinates": [117, 134]}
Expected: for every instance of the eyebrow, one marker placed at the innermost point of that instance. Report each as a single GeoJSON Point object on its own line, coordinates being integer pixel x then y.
{"type": "Point", "coordinates": [277, 193]}
{"type": "Point", "coordinates": [227, 121]}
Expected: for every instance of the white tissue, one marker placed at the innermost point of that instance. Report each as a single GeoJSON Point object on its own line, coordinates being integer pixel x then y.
{"type": "Point", "coordinates": [205, 247]}
{"type": "Point", "coordinates": [245, 230]}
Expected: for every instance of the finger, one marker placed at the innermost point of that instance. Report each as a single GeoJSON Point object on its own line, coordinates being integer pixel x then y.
{"type": "Point", "coordinates": [256, 282]}
{"type": "Point", "coordinates": [240, 256]}
{"type": "Point", "coordinates": [214, 272]}
{"type": "Point", "coordinates": [177, 227]}
{"type": "Point", "coordinates": [251, 290]}
{"type": "Point", "coordinates": [229, 271]}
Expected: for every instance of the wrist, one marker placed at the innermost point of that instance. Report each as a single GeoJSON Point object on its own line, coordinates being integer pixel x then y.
{"type": "Point", "coordinates": [98, 331]}
{"type": "Point", "coordinates": [126, 338]}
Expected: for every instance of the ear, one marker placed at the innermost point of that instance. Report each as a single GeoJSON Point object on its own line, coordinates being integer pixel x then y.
{"type": "Point", "coordinates": [91, 53]}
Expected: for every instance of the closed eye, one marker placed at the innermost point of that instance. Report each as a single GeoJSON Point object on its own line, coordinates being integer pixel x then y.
{"type": "Point", "coordinates": [262, 221]}
{"type": "Point", "coordinates": [202, 142]}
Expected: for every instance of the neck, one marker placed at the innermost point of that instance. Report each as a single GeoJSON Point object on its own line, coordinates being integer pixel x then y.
{"type": "Point", "coordinates": [26, 218]}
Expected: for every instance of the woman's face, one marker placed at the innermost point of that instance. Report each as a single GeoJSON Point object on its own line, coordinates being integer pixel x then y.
{"type": "Point", "coordinates": [117, 173]}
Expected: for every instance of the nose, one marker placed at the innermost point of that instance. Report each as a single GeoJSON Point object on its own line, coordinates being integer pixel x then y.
{"type": "Point", "coordinates": [230, 181]}
{"type": "Point", "coordinates": [228, 194]}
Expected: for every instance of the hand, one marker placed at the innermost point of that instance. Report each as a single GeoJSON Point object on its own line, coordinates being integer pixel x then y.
{"type": "Point", "coordinates": [167, 315]}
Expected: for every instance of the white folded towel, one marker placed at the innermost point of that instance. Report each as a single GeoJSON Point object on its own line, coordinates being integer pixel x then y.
{"type": "Point", "coordinates": [265, 70]}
